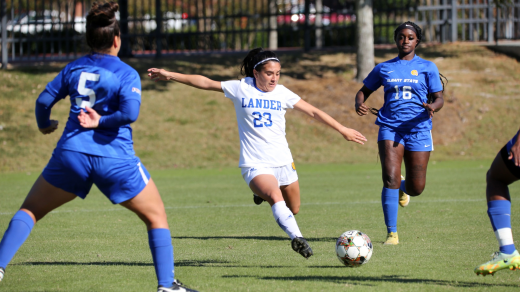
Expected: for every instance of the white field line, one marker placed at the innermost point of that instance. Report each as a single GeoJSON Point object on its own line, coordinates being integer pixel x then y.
{"type": "Point", "coordinates": [253, 205]}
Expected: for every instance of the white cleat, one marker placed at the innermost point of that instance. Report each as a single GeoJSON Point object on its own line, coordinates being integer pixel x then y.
{"type": "Point", "coordinates": [2, 272]}
{"type": "Point", "coordinates": [176, 287]}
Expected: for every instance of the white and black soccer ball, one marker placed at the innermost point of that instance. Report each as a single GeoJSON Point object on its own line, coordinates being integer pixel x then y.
{"type": "Point", "coordinates": [354, 248]}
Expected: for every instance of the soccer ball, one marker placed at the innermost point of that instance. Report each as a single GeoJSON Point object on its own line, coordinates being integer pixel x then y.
{"type": "Point", "coordinates": [354, 248]}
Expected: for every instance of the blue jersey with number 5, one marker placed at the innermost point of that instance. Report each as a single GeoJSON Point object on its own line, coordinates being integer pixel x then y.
{"type": "Point", "coordinates": [406, 87]}
{"type": "Point", "coordinates": [100, 82]}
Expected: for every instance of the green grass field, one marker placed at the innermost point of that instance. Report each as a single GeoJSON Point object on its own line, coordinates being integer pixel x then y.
{"type": "Point", "coordinates": [223, 242]}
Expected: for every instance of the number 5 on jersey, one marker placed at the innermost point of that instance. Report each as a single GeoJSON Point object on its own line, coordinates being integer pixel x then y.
{"type": "Point", "coordinates": [83, 90]}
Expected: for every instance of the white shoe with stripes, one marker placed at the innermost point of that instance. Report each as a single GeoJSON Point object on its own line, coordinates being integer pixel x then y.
{"type": "Point", "coordinates": [176, 287]}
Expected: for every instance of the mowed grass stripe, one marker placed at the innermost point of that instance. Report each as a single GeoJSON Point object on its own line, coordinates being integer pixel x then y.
{"type": "Point", "coordinates": [248, 206]}
{"type": "Point", "coordinates": [223, 242]}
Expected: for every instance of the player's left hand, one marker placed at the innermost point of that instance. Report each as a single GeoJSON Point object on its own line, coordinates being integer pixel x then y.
{"type": "Point", "coordinates": [515, 153]}
{"type": "Point", "coordinates": [51, 128]}
{"type": "Point", "coordinates": [362, 109]}
{"type": "Point", "coordinates": [353, 135]}
{"type": "Point", "coordinates": [430, 109]}
{"type": "Point", "coordinates": [158, 74]}
{"type": "Point", "coordinates": [90, 119]}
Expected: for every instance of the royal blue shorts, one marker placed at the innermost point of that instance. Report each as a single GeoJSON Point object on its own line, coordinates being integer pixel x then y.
{"type": "Point", "coordinates": [74, 172]}
{"type": "Point", "coordinates": [415, 141]}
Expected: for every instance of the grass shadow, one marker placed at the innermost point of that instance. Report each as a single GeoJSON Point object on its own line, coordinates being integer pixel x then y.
{"type": "Point", "coordinates": [269, 238]}
{"type": "Point", "coordinates": [383, 279]}
{"type": "Point", "coordinates": [180, 263]}
{"type": "Point", "coordinates": [139, 264]}
{"type": "Point", "coordinates": [508, 50]}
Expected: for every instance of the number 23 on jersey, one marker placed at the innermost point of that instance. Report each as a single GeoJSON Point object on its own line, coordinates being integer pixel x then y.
{"type": "Point", "coordinates": [258, 119]}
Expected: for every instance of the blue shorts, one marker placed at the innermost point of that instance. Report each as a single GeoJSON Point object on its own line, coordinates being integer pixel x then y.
{"type": "Point", "coordinates": [75, 172]}
{"type": "Point", "coordinates": [414, 141]}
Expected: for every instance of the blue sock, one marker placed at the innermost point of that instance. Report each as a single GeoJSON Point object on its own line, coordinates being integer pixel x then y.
{"type": "Point", "coordinates": [160, 241]}
{"type": "Point", "coordinates": [403, 186]}
{"type": "Point", "coordinates": [390, 200]}
{"type": "Point", "coordinates": [499, 213]}
{"type": "Point", "coordinates": [19, 229]}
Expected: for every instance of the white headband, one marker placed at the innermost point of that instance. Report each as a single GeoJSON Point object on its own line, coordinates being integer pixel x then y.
{"type": "Point", "coordinates": [276, 59]}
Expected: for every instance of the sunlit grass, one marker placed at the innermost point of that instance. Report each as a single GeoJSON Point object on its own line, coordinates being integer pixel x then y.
{"type": "Point", "coordinates": [223, 242]}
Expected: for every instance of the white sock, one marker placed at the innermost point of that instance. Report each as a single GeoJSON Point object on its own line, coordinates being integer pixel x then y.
{"type": "Point", "coordinates": [285, 219]}
{"type": "Point", "coordinates": [504, 236]}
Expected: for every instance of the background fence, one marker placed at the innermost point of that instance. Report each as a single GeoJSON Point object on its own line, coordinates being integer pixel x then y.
{"type": "Point", "coordinates": [468, 20]}
{"type": "Point", "coordinates": [40, 30]}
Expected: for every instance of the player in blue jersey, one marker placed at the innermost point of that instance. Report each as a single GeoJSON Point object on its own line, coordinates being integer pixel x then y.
{"type": "Point", "coordinates": [96, 146]}
{"type": "Point", "coordinates": [413, 93]}
{"type": "Point", "coordinates": [504, 171]}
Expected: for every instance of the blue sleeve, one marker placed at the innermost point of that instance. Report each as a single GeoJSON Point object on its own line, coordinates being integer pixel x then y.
{"type": "Point", "coordinates": [434, 79]}
{"type": "Point", "coordinates": [130, 86]}
{"type": "Point", "coordinates": [53, 92]}
{"type": "Point", "coordinates": [127, 114]}
{"type": "Point", "coordinates": [373, 81]}
{"type": "Point", "coordinates": [129, 102]}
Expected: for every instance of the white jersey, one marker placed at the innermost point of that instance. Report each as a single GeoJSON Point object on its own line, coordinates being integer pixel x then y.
{"type": "Point", "coordinates": [261, 122]}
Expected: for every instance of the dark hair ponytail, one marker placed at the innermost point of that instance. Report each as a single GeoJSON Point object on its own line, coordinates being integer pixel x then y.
{"type": "Point", "coordinates": [256, 56]}
{"type": "Point", "coordinates": [102, 26]}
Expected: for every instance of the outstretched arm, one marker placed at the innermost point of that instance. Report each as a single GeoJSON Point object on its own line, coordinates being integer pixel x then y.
{"type": "Point", "coordinates": [197, 81]}
{"type": "Point", "coordinates": [348, 134]}
{"type": "Point", "coordinates": [361, 97]}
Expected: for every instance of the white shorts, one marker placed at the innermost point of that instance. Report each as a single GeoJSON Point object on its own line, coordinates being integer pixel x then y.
{"type": "Point", "coordinates": [285, 175]}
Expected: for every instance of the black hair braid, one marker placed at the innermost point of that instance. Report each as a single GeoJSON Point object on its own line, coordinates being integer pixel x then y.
{"type": "Point", "coordinates": [417, 29]}
{"type": "Point", "coordinates": [430, 95]}
{"type": "Point", "coordinates": [254, 57]}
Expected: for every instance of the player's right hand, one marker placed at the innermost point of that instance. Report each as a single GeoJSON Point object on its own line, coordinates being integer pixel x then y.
{"type": "Point", "coordinates": [353, 135]}
{"type": "Point", "coordinates": [158, 74]}
{"type": "Point", "coordinates": [51, 128]}
{"type": "Point", "coordinates": [362, 109]}
{"type": "Point", "coordinates": [90, 119]}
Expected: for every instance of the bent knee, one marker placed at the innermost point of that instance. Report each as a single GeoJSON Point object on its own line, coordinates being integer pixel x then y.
{"type": "Point", "coordinates": [414, 192]}
{"type": "Point", "coordinates": [295, 209]}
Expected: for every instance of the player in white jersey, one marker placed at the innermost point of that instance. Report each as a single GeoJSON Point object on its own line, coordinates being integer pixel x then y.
{"type": "Point", "coordinates": [265, 159]}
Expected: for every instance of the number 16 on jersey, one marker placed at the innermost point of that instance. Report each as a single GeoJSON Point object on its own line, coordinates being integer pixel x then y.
{"type": "Point", "coordinates": [407, 92]}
